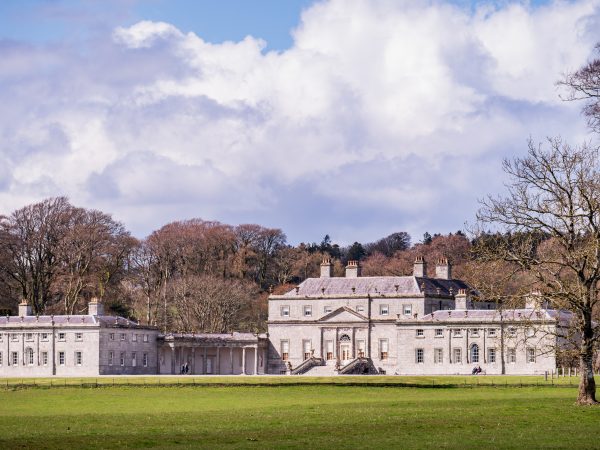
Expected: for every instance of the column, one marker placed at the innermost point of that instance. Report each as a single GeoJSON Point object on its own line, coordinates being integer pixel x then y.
{"type": "Point", "coordinates": [193, 359]}
{"type": "Point", "coordinates": [243, 360]}
{"type": "Point", "coordinates": [467, 356]}
{"type": "Point", "coordinates": [173, 360]}
{"type": "Point", "coordinates": [231, 358]}
{"type": "Point", "coordinates": [449, 345]}
{"type": "Point", "coordinates": [218, 371]}
{"type": "Point", "coordinates": [337, 344]}
{"type": "Point", "coordinates": [256, 360]}
{"type": "Point", "coordinates": [204, 363]}
{"type": "Point", "coordinates": [322, 354]}
{"type": "Point", "coordinates": [484, 331]}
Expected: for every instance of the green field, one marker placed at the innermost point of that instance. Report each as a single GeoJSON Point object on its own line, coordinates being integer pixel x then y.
{"type": "Point", "coordinates": [308, 415]}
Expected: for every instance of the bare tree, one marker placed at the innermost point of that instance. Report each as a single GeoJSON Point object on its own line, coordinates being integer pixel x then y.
{"type": "Point", "coordinates": [92, 251]}
{"type": "Point", "coordinates": [31, 237]}
{"type": "Point", "coordinates": [209, 304]}
{"type": "Point", "coordinates": [554, 195]}
{"type": "Point", "coordinates": [584, 84]}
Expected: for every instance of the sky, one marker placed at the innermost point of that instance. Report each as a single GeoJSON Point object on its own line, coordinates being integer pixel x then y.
{"type": "Point", "coordinates": [351, 118]}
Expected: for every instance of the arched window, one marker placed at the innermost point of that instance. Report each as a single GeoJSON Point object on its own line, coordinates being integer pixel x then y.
{"type": "Point", "coordinates": [29, 356]}
{"type": "Point", "coordinates": [474, 353]}
{"type": "Point", "coordinates": [344, 338]}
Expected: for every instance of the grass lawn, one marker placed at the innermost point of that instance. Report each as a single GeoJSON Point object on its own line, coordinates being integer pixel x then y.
{"type": "Point", "coordinates": [301, 416]}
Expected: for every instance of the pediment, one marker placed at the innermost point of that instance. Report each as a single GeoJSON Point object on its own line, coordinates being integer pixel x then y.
{"type": "Point", "coordinates": [343, 314]}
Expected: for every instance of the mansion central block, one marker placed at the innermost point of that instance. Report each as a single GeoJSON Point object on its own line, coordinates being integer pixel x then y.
{"type": "Point", "coordinates": [415, 324]}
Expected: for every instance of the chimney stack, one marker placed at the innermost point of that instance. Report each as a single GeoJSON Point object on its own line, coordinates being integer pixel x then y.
{"type": "Point", "coordinates": [95, 307]}
{"type": "Point", "coordinates": [420, 267]}
{"type": "Point", "coordinates": [326, 268]}
{"type": "Point", "coordinates": [461, 300]}
{"type": "Point", "coordinates": [24, 308]}
{"type": "Point", "coordinates": [443, 269]}
{"type": "Point", "coordinates": [352, 269]}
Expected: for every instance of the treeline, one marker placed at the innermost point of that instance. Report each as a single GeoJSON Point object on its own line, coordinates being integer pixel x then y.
{"type": "Point", "coordinates": [191, 275]}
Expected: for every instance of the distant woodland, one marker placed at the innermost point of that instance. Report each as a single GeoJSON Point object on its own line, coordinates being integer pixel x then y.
{"type": "Point", "coordinates": [192, 275]}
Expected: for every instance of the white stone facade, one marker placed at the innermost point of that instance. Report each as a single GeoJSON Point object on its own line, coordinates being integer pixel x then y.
{"type": "Point", "coordinates": [77, 345]}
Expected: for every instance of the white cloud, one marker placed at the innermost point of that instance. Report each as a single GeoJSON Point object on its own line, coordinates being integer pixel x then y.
{"type": "Point", "coordinates": [384, 115]}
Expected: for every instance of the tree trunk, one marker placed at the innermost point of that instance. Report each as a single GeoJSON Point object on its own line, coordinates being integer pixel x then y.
{"type": "Point", "coordinates": [587, 384]}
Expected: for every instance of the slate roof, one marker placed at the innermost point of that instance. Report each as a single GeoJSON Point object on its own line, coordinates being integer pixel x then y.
{"type": "Point", "coordinates": [74, 320]}
{"type": "Point", "coordinates": [487, 315]}
{"type": "Point", "coordinates": [317, 287]}
{"type": "Point", "coordinates": [213, 338]}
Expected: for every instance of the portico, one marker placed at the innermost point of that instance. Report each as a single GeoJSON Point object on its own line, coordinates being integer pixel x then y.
{"type": "Point", "coordinates": [212, 354]}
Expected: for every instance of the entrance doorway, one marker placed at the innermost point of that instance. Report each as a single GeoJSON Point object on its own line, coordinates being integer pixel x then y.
{"type": "Point", "coordinates": [345, 351]}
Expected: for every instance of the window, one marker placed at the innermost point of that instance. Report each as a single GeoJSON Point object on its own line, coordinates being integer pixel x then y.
{"type": "Point", "coordinates": [491, 355]}
{"type": "Point", "coordinates": [122, 359]}
{"type": "Point", "coordinates": [79, 336]}
{"type": "Point", "coordinates": [14, 356]}
{"type": "Point", "coordinates": [457, 355]}
{"type": "Point", "coordinates": [134, 359]}
{"type": "Point", "coordinates": [384, 310]}
{"type": "Point", "coordinates": [512, 355]}
{"type": "Point", "coordinates": [285, 350]}
{"type": "Point", "coordinates": [1, 359]}
{"type": "Point", "coordinates": [492, 332]}
{"type": "Point", "coordinates": [111, 357]}
{"type": "Point", "coordinates": [122, 336]}
{"type": "Point", "coordinates": [145, 359]}
{"type": "Point", "coordinates": [360, 309]}
{"type": "Point", "coordinates": [284, 311]}
{"type": "Point", "coordinates": [29, 336]}
{"type": "Point", "coordinates": [29, 356]}
{"type": "Point", "coordinates": [439, 332]}
{"type": "Point", "coordinates": [327, 309]}
{"type": "Point", "coordinates": [111, 336]}
{"type": "Point", "coordinates": [475, 332]}
{"type": "Point", "coordinates": [44, 358]}
{"type": "Point", "coordinates": [456, 332]}
{"type": "Point", "coordinates": [420, 332]}
{"type": "Point", "coordinates": [78, 358]}
{"type": "Point", "coordinates": [329, 350]}
{"type": "Point", "coordinates": [530, 355]}
{"type": "Point", "coordinates": [145, 338]}
{"type": "Point", "coordinates": [14, 337]}
{"type": "Point", "coordinates": [44, 336]}
{"type": "Point", "coordinates": [474, 353]}
{"type": "Point", "coordinates": [512, 331]}
{"type": "Point", "coordinates": [1, 337]}
{"type": "Point", "coordinates": [419, 356]}
{"type": "Point", "coordinates": [61, 358]}
{"type": "Point", "coordinates": [407, 310]}
{"type": "Point", "coordinates": [383, 349]}
{"type": "Point", "coordinates": [62, 336]}
{"type": "Point", "coordinates": [307, 310]}
{"type": "Point", "coordinates": [307, 348]}
{"type": "Point", "coordinates": [438, 355]}
{"type": "Point", "coordinates": [134, 337]}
